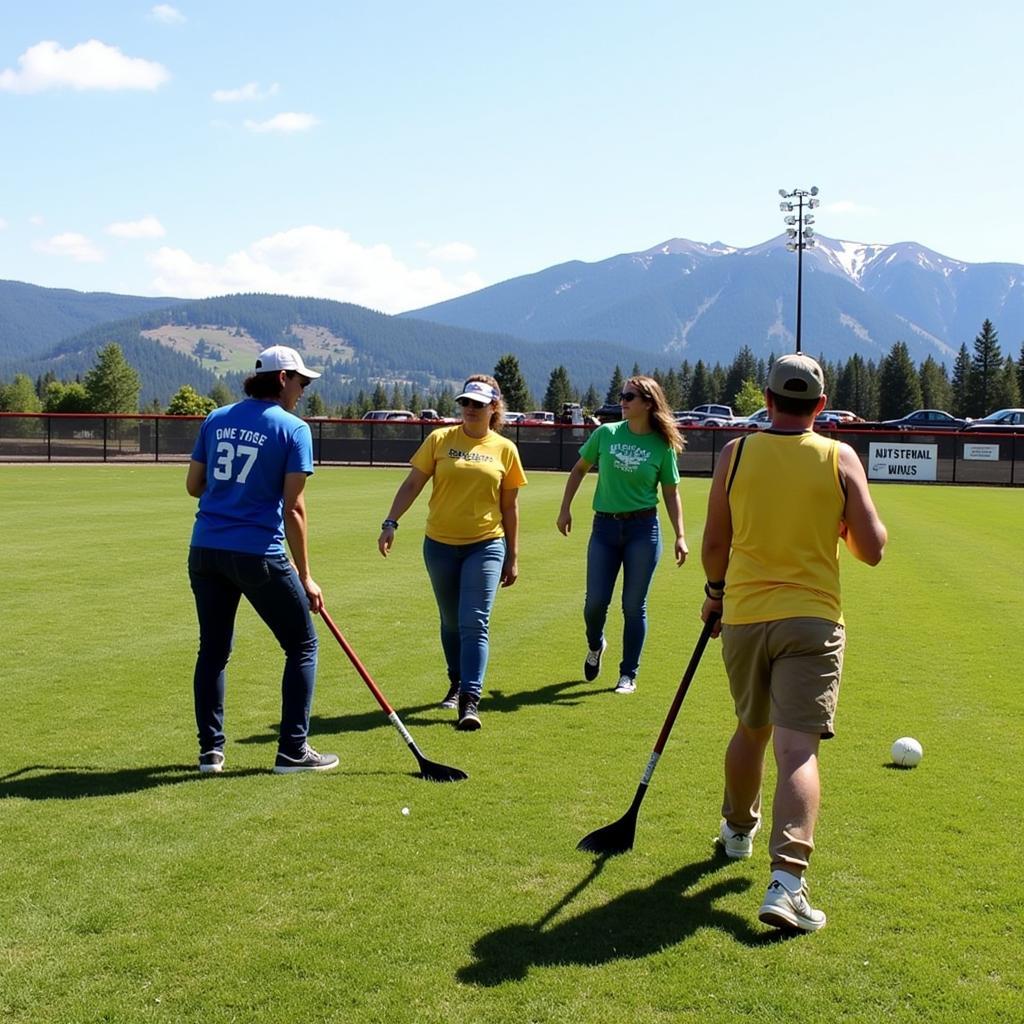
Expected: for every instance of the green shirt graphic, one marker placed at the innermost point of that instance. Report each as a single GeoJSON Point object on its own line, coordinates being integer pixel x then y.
{"type": "Point", "coordinates": [629, 467]}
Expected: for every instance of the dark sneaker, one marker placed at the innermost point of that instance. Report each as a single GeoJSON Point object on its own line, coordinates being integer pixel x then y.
{"type": "Point", "coordinates": [790, 910]}
{"type": "Point", "coordinates": [592, 662]}
{"type": "Point", "coordinates": [211, 761]}
{"type": "Point", "coordinates": [469, 714]}
{"type": "Point", "coordinates": [451, 700]}
{"type": "Point", "coordinates": [308, 761]}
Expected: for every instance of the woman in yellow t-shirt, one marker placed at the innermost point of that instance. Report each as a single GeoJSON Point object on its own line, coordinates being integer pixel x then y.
{"type": "Point", "coordinates": [472, 532]}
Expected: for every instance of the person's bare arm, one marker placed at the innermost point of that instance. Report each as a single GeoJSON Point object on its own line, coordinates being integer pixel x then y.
{"type": "Point", "coordinates": [864, 532]}
{"type": "Point", "coordinates": [408, 491]}
{"type": "Point", "coordinates": [717, 542]}
{"type": "Point", "coordinates": [295, 530]}
{"type": "Point", "coordinates": [195, 480]}
{"type": "Point", "coordinates": [674, 507]}
{"type": "Point", "coordinates": [576, 476]}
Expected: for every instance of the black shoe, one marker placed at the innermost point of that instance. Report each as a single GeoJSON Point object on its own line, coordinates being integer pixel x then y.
{"type": "Point", "coordinates": [469, 714]}
{"type": "Point", "coordinates": [308, 761]}
{"type": "Point", "coordinates": [451, 700]}
{"type": "Point", "coordinates": [211, 761]}
{"type": "Point", "coordinates": [592, 662]}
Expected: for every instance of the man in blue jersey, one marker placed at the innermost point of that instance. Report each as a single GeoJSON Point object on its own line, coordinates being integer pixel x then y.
{"type": "Point", "coordinates": [248, 470]}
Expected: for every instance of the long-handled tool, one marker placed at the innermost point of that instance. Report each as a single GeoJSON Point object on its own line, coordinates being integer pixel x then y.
{"type": "Point", "coordinates": [429, 770]}
{"type": "Point", "coordinates": [618, 836]}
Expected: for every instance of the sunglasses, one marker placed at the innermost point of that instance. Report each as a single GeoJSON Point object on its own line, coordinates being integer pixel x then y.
{"type": "Point", "coordinates": [303, 382]}
{"type": "Point", "coordinates": [470, 403]}
{"type": "Point", "coordinates": [628, 396]}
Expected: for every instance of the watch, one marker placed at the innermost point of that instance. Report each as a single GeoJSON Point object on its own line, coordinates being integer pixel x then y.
{"type": "Point", "coordinates": [393, 523]}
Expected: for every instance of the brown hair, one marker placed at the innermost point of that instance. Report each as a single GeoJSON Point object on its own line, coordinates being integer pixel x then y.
{"type": "Point", "coordinates": [264, 385]}
{"type": "Point", "coordinates": [663, 422]}
{"type": "Point", "coordinates": [498, 413]}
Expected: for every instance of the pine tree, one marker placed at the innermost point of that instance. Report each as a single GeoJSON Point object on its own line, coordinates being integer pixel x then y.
{"type": "Point", "coordinates": [899, 387]}
{"type": "Point", "coordinates": [958, 400]}
{"type": "Point", "coordinates": [935, 388]}
{"type": "Point", "coordinates": [591, 399]}
{"type": "Point", "coordinates": [743, 368]}
{"type": "Point", "coordinates": [314, 404]}
{"type": "Point", "coordinates": [559, 390]}
{"type": "Point", "coordinates": [445, 404]}
{"type": "Point", "coordinates": [986, 366]}
{"type": "Point", "coordinates": [615, 386]}
{"type": "Point", "coordinates": [702, 386]}
{"type": "Point", "coordinates": [1007, 390]}
{"type": "Point", "coordinates": [112, 384]}
{"type": "Point", "coordinates": [513, 385]}
{"type": "Point", "coordinates": [221, 394]}
{"type": "Point", "coordinates": [685, 385]}
{"type": "Point", "coordinates": [380, 397]}
{"type": "Point", "coordinates": [1020, 370]}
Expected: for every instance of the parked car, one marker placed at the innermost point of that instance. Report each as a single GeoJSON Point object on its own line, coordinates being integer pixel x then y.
{"type": "Point", "coordinates": [760, 420]}
{"type": "Point", "coordinates": [389, 414]}
{"type": "Point", "coordinates": [927, 419]}
{"type": "Point", "coordinates": [540, 416]}
{"type": "Point", "coordinates": [435, 417]}
{"type": "Point", "coordinates": [515, 417]}
{"type": "Point", "coordinates": [710, 415]}
{"type": "Point", "coordinates": [1001, 422]}
{"type": "Point", "coordinates": [685, 418]}
{"type": "Point", "coordinates": [837, 418]}
{"type": "Point", "coordinates": [610, 412]}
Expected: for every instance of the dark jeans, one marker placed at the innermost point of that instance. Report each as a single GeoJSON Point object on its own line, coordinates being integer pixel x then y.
{"type": "Point", "coordinates": [465, 578]}
{"type": "Point", "coordinates": [270, 584]}
{"type": "Point", "coordinates": [634, 545]}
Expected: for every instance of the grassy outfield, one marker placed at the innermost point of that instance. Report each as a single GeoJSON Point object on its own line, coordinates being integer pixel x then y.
{"type": "Point", "coordinates": [135, 890]}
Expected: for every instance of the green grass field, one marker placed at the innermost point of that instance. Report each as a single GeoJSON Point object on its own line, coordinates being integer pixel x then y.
{"type": "Point", "coordinates": [135, 890]}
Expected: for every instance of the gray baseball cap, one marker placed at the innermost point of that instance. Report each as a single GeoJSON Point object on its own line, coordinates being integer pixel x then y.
{"type": "Point", "coordinates": [796, 376]}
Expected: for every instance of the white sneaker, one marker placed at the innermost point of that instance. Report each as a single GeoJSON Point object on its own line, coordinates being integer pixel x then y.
{"type": "Point", "coordinates": [783, 908]}
{"type": "Point", "coordinates": [737, 845]}
{"type": "Point", "coordinates": [626, 684]}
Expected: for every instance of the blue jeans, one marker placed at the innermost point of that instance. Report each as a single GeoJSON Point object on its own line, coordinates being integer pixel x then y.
{"type": "Point", "coordinates": [219, 579]}
{"type": "Point", "coordinates": [465, 578]}
{"type": "Point", "coordinates": [635, 545]}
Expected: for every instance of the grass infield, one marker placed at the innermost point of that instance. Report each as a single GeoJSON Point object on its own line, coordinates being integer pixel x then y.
{"type": "Point", "coordinates": [136, 890]}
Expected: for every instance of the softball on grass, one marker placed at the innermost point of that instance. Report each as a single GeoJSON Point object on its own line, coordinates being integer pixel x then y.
{"type": "Point", "coordinates": [907, 752]}
{"type": "Point", "coordinates": [405, 810]}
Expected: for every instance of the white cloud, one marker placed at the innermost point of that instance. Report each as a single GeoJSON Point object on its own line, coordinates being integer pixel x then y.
{"type": "Point", "coordinates": [3, 224]}
{"type": "Point", "coordinates": [167, 14]}
{"type": "Point", "coordinates": [145, 227]}
{"type": "Point", "coordinates": [91, 65]}
{"type": "Point", "coordinates": [310, 261]}
{"type": "Point", "coordinates": [72, 245]}
{"type": "Point", "coordinates": [284, 123]}
{"type": "Point", "coordinates": [453, 252]}
{"type": "Point", "coordinates": [37, 220]}
{"type": "Point", "coordinates": [850, 207]}
{"type": "Point", "coordinates": [249, 91]}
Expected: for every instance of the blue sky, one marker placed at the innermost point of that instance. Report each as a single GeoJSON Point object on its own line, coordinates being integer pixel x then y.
{"type": "Point", "coordinates": [395, 155]}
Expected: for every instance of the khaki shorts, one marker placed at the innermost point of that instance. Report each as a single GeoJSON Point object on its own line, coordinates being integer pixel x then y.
{"type": "Point", "coordinates": [785, 672]}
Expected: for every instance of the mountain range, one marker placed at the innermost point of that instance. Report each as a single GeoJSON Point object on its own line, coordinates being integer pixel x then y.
{"type": "Point", "coordinates": [680, 300]}
{"type": "Point", "coordinates": [694, 300]}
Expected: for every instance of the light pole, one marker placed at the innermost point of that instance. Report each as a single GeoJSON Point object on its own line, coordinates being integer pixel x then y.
{"type": "Point", "coordinates": [801, 236]}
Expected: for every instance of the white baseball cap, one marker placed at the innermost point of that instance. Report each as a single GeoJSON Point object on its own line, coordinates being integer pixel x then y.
{"type": "Point", "coordinates": [479, 391]}
{"type": "Point", "coordinates": [281, 357]}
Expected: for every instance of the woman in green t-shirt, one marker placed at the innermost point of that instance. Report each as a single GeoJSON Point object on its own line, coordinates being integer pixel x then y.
{"type": "Point", "coordinates": [633, 457]}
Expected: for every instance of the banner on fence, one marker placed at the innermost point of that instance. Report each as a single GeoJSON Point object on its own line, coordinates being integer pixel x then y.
{"type": "Point", "coordinates": [902, 461]}
{"type": "Point", "coordinates": [981, 452]}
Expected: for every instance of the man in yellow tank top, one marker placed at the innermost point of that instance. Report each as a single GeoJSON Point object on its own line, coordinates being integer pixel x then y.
{"type": "Point", "coordinates": [780, 502]}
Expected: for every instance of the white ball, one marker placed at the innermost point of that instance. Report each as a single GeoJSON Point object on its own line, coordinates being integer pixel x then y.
{"type": "Point", "coordinates": [907, 752]}
{"type": "Point", "coordinates": [405, 810]}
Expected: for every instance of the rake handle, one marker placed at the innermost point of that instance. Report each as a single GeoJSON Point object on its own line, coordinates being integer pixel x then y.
{"type": "Point", "coordinates": [684, 685]}
{"type": "Point", "coordinates": [357, 664]}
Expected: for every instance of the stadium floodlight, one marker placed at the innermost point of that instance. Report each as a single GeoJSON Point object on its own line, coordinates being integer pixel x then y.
{"type": "Point", "coordinates": [801, 237]}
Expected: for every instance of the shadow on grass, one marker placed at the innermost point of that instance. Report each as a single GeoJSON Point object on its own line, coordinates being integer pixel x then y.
{"type": "Point", "coordinates": [636, 924]}
{"type": "Point", "coordinates": [63, 782]}
{"type": "Point", "coordinates": [496, 702]}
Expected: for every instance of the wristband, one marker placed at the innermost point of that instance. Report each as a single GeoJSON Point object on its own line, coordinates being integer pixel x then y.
{"type": "Point", "coordinates": [393, 523]}
{"type": "Point", "coordinates": [714, 597]}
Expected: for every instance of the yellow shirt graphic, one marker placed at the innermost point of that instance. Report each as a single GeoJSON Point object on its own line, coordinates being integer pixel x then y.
{"type": "Point", "coordinates": [469, 475]}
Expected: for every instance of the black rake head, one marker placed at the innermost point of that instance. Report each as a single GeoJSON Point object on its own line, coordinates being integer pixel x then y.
{"type": "Point", "coordinates": [611, 839]}
{"type": "Point", "coordinates": [434, 772]}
